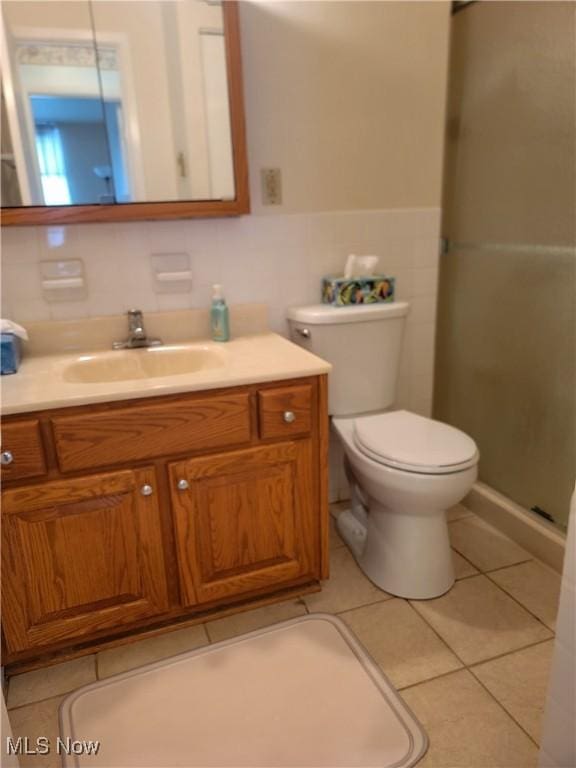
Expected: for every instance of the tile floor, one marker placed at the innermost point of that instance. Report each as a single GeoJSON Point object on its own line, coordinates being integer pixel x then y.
{"type": "Point", "coordinates": [472, 664]}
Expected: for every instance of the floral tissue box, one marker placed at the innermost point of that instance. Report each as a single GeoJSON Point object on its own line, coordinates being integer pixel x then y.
{"type": "Point", "coordinates": [343, 292]}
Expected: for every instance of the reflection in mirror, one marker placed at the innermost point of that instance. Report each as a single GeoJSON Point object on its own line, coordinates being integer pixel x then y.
{"type": "Point", "coordinates": [10, 187]}
{"type": "Point", "coordinates": [114, 101]}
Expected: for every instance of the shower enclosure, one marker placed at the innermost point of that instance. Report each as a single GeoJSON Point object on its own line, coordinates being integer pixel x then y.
{"type": "Point", "coordinates": [506, 349]}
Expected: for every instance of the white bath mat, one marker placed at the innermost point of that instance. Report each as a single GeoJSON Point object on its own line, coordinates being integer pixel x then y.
{"type": "Point", "coordinates": [302, 693]}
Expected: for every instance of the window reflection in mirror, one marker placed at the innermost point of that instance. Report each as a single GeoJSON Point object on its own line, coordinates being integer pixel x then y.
{"type": "Point", "coordinates": [114, 101]}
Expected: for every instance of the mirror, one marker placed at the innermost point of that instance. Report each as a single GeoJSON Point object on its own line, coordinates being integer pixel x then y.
{"type": "Point", "coordinates": [121, 109]}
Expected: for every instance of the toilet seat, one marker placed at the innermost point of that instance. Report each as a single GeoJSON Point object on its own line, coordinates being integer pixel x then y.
{"type": "Point", "coordinates": [413, 443]}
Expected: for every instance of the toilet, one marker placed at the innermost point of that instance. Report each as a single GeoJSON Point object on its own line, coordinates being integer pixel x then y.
{"type": "Point", "coordinates": [405, 470]}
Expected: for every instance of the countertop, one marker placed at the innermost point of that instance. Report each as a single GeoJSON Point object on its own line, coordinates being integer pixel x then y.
{"type": "Point", "coordinates": [41, 382]}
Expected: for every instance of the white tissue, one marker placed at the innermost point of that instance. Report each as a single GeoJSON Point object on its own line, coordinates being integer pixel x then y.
{"type": "Point", "coordinates": [360, 266]}
{"type": "Point", "coordinates": [366, 266]}
{"type": "Point", "coordinates": [7, 326]}
{"type": "Point", "coordinates": [350, 267]}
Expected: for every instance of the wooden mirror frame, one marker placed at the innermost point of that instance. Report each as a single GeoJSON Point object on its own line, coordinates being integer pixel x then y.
{"type": "Point", "coordinates": [172, 209]}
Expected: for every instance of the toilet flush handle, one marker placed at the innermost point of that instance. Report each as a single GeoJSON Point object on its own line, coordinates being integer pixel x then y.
{"type": "Point", "coordinates": [305, 332]}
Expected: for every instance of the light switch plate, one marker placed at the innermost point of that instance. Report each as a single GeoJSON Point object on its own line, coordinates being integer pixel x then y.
{"type": "Point", "coordinates": [271, 179]}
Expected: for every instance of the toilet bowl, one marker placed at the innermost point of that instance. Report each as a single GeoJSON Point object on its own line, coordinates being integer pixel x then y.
{"type": "Point", "coordinates": [405, 469]}
{"type": "Point", "coordinates": [405, 472]}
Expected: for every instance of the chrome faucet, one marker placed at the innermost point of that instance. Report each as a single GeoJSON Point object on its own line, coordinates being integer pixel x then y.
{"type": "Point", "coordinates": [137, 337]}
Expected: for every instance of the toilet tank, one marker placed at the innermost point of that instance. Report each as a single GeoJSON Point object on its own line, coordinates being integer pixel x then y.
{"type": "Point", "coordinates": [362, 343]}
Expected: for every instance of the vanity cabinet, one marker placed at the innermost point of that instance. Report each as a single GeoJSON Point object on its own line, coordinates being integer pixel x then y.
{"type": "Point", "coordinates": [244, 520]}
{"type": "Point", "coordinates": [80, 555]}
{"type": "Point", "coordinates": [128, 516]}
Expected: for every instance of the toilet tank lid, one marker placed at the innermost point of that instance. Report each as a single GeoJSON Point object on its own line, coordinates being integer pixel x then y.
{"type": "Point", "coordinates": [326, 314]}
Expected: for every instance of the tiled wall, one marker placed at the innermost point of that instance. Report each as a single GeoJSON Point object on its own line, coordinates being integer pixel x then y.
{"type": "Point", "coordinates": [277, 259]}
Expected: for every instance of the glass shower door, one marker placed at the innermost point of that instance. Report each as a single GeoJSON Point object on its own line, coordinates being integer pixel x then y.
{"type": "Point", "coordinates": [506, 349]}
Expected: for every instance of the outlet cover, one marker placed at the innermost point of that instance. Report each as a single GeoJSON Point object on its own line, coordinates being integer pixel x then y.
{"type": "Point", "coordinates": [271, 179]}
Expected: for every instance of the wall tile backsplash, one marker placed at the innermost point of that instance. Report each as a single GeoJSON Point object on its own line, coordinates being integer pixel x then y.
{"type": "Point", "coordinates": [276, 259]}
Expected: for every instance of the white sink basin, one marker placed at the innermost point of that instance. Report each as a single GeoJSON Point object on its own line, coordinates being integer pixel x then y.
{"type": "Point", "coordinates": [131, 364]}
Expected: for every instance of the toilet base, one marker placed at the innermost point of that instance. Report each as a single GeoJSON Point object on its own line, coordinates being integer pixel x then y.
{"type": "Point", "coordinates": [403, 554]}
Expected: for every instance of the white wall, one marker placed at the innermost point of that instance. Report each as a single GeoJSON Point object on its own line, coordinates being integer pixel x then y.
{"type": "Point", "coordinates": [347, 98]}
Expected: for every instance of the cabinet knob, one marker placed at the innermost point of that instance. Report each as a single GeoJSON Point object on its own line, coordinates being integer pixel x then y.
{"type": "Point", "coordinates": [146, 490]}
{"type": "Point", "coordinates": [289, 417]}
{"type": "Point", "coordinates": [183, 485]}
{"type": "Point", "coordinates": [6, 457]}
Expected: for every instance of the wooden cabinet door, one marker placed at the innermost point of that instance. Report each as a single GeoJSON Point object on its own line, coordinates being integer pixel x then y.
{"type": "Point", "coordinates": [245, 521]}
{"type": "Point", "coordinates": [80, 556]}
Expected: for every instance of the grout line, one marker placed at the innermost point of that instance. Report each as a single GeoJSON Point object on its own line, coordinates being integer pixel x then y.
{"type": "Point", "coordinates": [42, 701]}
{"type": "Point", "coordinates": [367, 605]}
{"type": "Point", "coordinates": [489, 570]}
{"type": "Point", "coordinates": [430, 679]}
{"type": "Point", "coordinates": [438, 635]}
{"type": "Point", "coordinates": [468, 576]}
{"type": "Point", "coordinates": [513, 565]}
{"type": "Point", "coordinates": [467, 560]}
{"type": "Point", "coordinates": [503, 708]}
{"type": "Point", "coordinates": [205, 628]}
{"type": "Point", "coordinates": [208, 635]}
{"type": "Point", "coordinates": [481, 663]}
{"type": "Point", "coordinates": [470, 669]}
{"type": "Point", "coordinates": [508, 594]}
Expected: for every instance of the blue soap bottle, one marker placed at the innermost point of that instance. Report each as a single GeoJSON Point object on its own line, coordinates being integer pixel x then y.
{"type": "Point", "coordinates": [219, 319]}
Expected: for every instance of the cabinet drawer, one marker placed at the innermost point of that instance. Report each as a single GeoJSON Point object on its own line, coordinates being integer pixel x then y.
{"type": "Point", "coordinates": [22, 448]}
{"type": "Point", "coordinates": [150, 431]}
{"type": "Point", "coordinates": [285, 411]}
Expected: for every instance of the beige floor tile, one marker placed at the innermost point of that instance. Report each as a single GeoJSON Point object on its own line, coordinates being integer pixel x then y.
{"type": "Point", "coordinates": [457, 512]}
{"type": "Point", "coordinates": [346, 588]}
{"type": "Point", "coordinates": [520, 682]}
{"type": "Point", "coordinates": [466, 727]}
{"type": "Point", "coordinates": [239, 623]}
{"type": "Point", "coordinates": [34, 721]}
{"type": "Point", "coordinates": [534, 585]}
{"type": "Point", "coordinates": [401, 642]}
{"type": "Point", "coordinates": [462, 567]}
{"type": "Point", "coordinates": [50, 681]}
{"type": "Point", "coordinates": [479, 621]}
{"type": "Point", "coordinates": [132, 655]}
{"type": "Point", "coordinates": [483, 545]}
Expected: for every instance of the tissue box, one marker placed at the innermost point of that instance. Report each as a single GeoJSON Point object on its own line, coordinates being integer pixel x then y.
{"type": "Point", "coordinates": [11, 353]}
{"type": "Point", "coordinates": [342, 292]}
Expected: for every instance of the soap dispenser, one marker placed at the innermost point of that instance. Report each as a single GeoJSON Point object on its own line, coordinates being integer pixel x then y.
{"type": "Point", "coordinates": [219, 319]}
